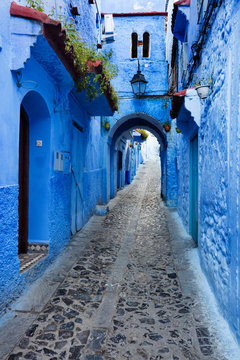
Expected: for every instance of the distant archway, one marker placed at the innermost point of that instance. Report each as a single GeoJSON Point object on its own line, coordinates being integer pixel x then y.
{"type": "Point", "coordinates": [34, 169]}
{"type": "Point", "coordinates": [122, 128]}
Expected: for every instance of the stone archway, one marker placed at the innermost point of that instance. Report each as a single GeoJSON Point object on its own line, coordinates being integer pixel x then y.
{"type": "Point", "coordinates": [123, 126]}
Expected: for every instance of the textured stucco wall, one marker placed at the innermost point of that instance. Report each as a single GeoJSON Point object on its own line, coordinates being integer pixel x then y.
{"type": "Point", "coordinates": [51, 104]}
{"type": "Point", "coordinates": [154, 69]}
{"type": "Point", "coordinates": [84, 21]}
{"type": "Point", "coordinates": [183, 173]}
{"type": "Point", "coordinates": [172, 181]}
{"type": "Point", "coordinates": [219, 155]}
{"type": "Point", "coordinates": [9, 240]}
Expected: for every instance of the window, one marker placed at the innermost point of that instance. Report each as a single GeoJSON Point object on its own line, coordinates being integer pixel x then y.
{"type": "Point", "coordinates": [146, 44]}
{"type": "Point", "coordinates": [134, 50]}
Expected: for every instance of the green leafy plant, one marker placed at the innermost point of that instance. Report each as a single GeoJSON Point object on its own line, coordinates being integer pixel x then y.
{"type": "Point", "coordinates": [144, 134]}
{"type": "Point", "coordinates": [85, 57]}
{"type": "Point", "coordinates": [202, 81]}
{"type": "Point", "coordinates": [106, 124]}
{"type": "Point", "coordinates": [203, 78]}
{"type": "Point", "coordinates": [36, 5]}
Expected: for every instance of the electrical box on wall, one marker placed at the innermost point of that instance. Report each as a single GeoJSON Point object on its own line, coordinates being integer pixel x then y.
{"type": "Point", "coordinates": [58, 161]}
{"type": "Point", "coordinates": [62, 162]}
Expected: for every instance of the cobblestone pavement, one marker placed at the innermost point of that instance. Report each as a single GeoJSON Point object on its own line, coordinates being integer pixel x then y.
{"type": "Point", "coordinates": [122, 298]}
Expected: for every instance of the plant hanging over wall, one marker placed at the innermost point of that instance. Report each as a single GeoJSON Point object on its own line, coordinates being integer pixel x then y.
{"type": "Point", "coordinates": [85, 57]}
{"type": "Point", "coordinates": [106, 124]}
{"type": "Point", "coordinates": [144, 134]}
{"type": "Point", "coordinates": [35, 4]}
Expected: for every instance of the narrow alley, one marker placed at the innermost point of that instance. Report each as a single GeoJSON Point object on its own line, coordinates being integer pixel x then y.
{"type": "Point", "coordinates": [115, 294]}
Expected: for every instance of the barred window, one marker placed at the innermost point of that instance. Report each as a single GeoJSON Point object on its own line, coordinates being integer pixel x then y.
{"type": "Point", "coordinates": [146, 44]}
{"type": "Point", "coordinates": [134, 50]}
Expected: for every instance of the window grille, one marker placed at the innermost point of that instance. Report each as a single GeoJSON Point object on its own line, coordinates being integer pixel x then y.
{"type": "Point", "coordinates": [146, 44]}
{"type": "Point", "coordinates": [134, 50]}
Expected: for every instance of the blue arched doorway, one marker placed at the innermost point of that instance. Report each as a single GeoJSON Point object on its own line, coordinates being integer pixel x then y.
{"type": "Point", "coordinates": [34, 171]}
{"type": "Point", "coordinates": [122, 127]}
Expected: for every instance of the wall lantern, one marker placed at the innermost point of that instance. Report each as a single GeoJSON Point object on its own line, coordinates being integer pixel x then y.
{"type": "Point", "coordinates": [138, 83]}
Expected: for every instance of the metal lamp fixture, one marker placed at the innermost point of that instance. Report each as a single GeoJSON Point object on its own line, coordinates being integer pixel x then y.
{"type": "Point", "coordinates": [139, 83]}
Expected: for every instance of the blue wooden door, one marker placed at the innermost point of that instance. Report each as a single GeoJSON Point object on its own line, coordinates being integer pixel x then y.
{"type": "Point", "coordinates": [194, 188]}
{"type": "Point", "coordinates": [119, 173]}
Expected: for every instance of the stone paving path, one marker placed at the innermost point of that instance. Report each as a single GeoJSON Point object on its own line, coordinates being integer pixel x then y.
{"type": "Point", "coordinates": [122, 298]}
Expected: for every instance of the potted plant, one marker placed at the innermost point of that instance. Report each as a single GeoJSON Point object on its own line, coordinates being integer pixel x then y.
{"type": "Point", "coordinates": [144, 134]}
{"type": "Point", "coordinates": [202, 86]}
{"type": "Point", "coordinates": [167, 126]}
{"type": "Point", "coordinates": [203, 91]}
{"type": "Point", "coordinates": [106, 124]}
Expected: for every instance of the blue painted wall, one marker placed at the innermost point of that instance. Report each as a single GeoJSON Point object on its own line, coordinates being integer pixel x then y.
{"type": "Point", "coordinates": [62, 200]}
{"type": "Point", "coordinates": [157, 102]}
{"type": "Point", "coordinates": [56, 209]}
{"type": "Point", "coordinates": [219, 155]}
{"type": "Point", "coordinates": [183, 172]}
{"type": "Point", "coordinates": [172, 181]}
{"type": "Point", "coordinates": [156, 63]}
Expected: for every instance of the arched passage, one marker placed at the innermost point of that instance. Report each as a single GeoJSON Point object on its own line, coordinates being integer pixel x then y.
{"type": "Point", "coordinates": [34, 167]}
{"type": "Point", "coordinates": [121, 128]}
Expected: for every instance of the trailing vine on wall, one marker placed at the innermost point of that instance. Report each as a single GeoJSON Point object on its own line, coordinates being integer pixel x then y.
{"type": "Point", "coordinates": [83, 54]}
{"type": "Point", "coordinates": [35, 4]}
{"type": "Point", "coordinates": [84, 57]}
{"type": "Point", "coordinates": [144, 134]}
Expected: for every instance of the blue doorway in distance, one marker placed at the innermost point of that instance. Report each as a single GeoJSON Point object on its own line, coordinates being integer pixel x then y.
{"type": "Point", "coordinates": [193, 224]}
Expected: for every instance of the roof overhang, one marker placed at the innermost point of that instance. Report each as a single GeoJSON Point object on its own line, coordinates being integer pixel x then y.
{"type": "Point", "coordinates": [54, 35]}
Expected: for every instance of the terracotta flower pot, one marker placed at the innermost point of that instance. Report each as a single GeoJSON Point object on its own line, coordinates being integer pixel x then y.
{"type": "Point", "coordinates": [167, 128]}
